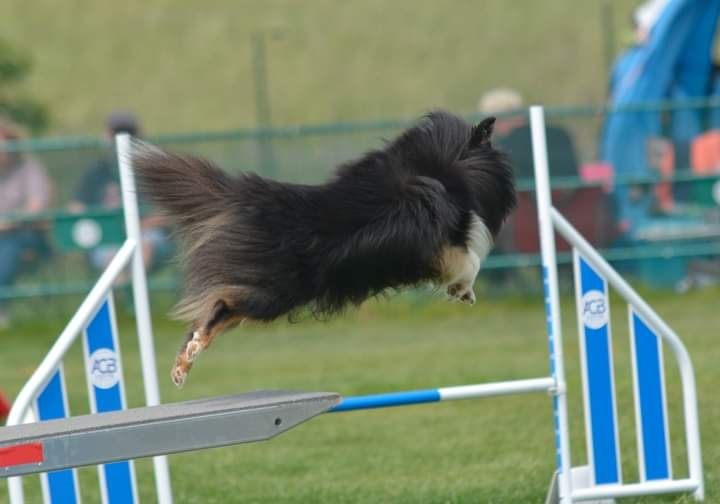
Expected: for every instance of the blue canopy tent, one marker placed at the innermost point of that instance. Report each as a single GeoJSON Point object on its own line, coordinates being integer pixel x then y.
{"type": "Point", "coordinates": [674, 62]}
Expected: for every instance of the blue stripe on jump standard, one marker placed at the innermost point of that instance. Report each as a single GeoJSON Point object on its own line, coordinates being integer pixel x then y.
{"type": "Point", "coordinates": [51, 406]}
{"type": "Point", "coordinates": [650, 390]}
{"type": "Point", "coordinates": [595, 317]}
{"type": "Point", "coordinates": [105, 376]}
{"type": "Point", "coordinates": [106, 386]}
{"type": "Point", "coordinates": [388, 400]}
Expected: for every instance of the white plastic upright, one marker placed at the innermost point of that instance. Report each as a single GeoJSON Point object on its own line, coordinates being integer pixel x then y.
{"type": "Point", "coordinates": [142, 304]}
{"type": "Point", "coordinates": [552, 302]}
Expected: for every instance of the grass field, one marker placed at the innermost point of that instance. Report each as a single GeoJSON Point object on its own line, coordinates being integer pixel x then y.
{"type": "Point", "coordinates": [496, 450]}
{"type": "Point", "coordinates": [187, 66]}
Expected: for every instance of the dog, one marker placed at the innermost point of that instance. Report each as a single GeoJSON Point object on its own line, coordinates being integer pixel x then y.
{"type": "Point", "coordinates": [426, 208]}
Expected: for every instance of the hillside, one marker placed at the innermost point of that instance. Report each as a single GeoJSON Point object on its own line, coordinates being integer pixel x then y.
{"type": "Point", "coordinates": [187, 65]}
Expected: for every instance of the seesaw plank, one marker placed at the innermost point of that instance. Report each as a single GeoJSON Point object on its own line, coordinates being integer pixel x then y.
{"type": "Point", "coordinates": [156, 430]}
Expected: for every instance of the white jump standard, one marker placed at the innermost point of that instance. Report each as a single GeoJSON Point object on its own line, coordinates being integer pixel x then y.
{"type": "Point", "coordinates": [156, 430]}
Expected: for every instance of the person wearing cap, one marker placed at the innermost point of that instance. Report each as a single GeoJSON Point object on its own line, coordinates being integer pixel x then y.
{"type": "Point", "coordinates": [99, 188]}
{"type": "Point", "coordinates": [512, 134]}
{"type": "Point", "coordinates": [507, 104]}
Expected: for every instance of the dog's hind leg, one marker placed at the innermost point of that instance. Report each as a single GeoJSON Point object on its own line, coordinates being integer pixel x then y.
{"type": "Point", "coordinates": [220, 318]}
{"type": "Point", "coordinates": [182, 365]}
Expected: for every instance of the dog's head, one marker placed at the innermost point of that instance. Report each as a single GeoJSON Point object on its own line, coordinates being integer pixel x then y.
{"type": "Point", "coordinates": [489, 175]}
{"type": "Point", "coordinates": [477, 177]}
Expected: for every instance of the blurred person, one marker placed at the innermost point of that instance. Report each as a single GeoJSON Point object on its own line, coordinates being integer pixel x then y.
{"type": "Point", "coordinates": [590, 208]}
{"type": "Point", "coordinates": [99, 188]}
{"type": "Point", "coordinates": [512, 134]}
{"type": "Point", "coordinates": [24, 189]}
{"type": "Point", "coordinates": [100, 184]}
{"type": "Point", "coordinates": [506, 103]}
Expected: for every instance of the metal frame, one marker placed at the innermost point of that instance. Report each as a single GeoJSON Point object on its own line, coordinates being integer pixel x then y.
{"type": "Point", "coordinates": [687, 376]}
{"type": "Point", "coordinates": [552, 220]}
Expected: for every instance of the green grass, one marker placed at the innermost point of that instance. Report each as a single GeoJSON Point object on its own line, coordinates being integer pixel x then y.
{"type": "Point", "coordinates": [490, 450]}
{"type": "Point", "coordinates": [186, 66]}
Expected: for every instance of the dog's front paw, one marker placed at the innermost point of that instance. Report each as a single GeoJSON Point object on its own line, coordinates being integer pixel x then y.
{"type": "Point", "coordinates": [462, 293]}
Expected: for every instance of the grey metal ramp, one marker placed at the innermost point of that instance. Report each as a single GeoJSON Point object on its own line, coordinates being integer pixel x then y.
{"type": "Point", "coordinates": [156, 430]}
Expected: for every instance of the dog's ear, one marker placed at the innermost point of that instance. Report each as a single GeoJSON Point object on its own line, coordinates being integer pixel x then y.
{"type": "Point", "coordinates": [482, 132]}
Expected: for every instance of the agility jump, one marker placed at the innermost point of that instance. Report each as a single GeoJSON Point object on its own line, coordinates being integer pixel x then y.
{"type": "Point", "coordinates": [113, 438]}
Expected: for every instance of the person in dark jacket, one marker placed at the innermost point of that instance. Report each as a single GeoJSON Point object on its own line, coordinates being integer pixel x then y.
{"type": "Point", "coordinates": [99, 188]}
{"type": "Point", "coordinates": [512, 134]}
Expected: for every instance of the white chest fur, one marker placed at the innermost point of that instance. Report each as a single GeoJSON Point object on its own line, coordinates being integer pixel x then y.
{"type": "Point", "coordinates": [480, 238]}
{"type": "Point", "coordinates": [461, 265]}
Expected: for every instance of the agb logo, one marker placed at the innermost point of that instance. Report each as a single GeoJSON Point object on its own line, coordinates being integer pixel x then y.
{"type": "Point", "coordinates": [104, 370]}
{"type": "Point", "coordinates": [594, 309]}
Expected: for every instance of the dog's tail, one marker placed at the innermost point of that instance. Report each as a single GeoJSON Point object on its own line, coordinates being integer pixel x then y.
{"type": "Point", "coordinates": [189, 189]}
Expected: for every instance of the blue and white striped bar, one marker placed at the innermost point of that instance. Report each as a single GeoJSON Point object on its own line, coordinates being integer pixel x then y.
{"type": "Point", "coordinates": [597, 372]}
{"type": "Point", "coordinates": [545, 384]}
{"type": "Point", "coordinates": [58, 487]}
{"type": "Point", "coordinates": [650, 406]}
{"type": "Point", "coordinates": [103, 370]}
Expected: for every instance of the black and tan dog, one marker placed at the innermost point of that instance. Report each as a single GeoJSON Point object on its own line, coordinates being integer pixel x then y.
{"type": "Point", "coordinates": [425, 208]}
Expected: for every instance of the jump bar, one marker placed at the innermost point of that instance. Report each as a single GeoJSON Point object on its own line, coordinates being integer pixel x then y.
{"type": "Point", "coordinates": [408, 397]}
{"type": "Point", "coordinates": [155, 430]}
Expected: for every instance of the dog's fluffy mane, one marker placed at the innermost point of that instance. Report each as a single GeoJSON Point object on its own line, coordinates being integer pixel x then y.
{"type": "Point", "coordinates": [379, 222]}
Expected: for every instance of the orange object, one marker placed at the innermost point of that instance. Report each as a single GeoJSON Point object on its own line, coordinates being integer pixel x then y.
{"type": "Point", "coordinates": [705, 153]}
{"type": "Point", "coordinates": [661, 156]}
{"type": "Point", "coordinates": [598, 171]}
{"type": "Point", "coordinates": [664, 191]}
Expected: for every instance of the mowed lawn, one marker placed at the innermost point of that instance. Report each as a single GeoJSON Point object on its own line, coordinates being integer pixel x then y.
{"type": "Point", "coordinates": [487, 450]}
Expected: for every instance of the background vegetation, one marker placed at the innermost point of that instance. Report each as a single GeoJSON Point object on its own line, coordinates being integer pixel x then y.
{"type": "Point", "coordinates": [15, 67]}
{"type": "Point", "coordinates": [185, 65]}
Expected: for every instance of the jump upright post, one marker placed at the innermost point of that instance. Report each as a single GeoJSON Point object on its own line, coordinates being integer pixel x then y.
{"type": "Point", "coordinates": [61, 444]}
{"type": "Point", "coordinates": [552, 304]}
{"type": "Point", "coordinates": [602, 477]}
